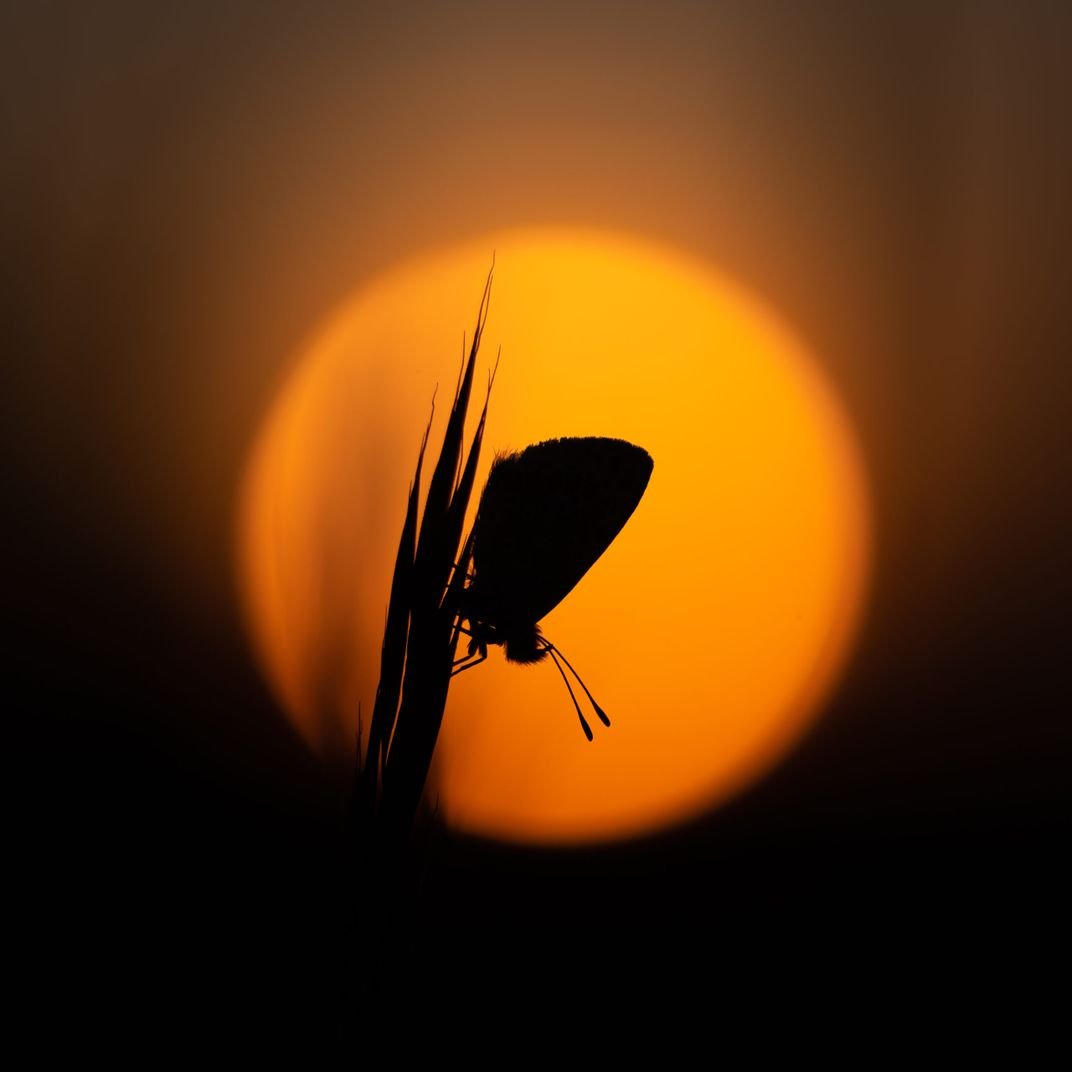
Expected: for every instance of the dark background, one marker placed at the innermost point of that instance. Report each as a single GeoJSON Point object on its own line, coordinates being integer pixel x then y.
{"type": "Point", "coordinates": [186, 192]}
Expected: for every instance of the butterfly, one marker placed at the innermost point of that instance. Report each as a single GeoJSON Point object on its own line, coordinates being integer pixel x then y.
{"type": "Point", "coordinates": [546, 515]}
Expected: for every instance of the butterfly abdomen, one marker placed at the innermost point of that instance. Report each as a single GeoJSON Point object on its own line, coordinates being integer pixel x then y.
{"type": "Point", "coordinates": [524, 645]}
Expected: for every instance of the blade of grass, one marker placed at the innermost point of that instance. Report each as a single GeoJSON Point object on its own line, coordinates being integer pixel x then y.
{"type": "Point", "coordinates": [432, 640]}
{"type": "Point", "coordinates": [393, 651]}
{"type": "Point", "coordinates": [459, 502]}
{"type": "Point", "coordinates": [434, 555]}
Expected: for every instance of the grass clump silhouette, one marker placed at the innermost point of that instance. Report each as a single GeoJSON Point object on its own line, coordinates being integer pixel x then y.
{"type": "Point", "coordinates": [420, 635]}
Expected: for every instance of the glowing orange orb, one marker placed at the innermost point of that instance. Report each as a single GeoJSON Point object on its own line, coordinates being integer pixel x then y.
{"type": "Point", "coordinates": [712, 628]}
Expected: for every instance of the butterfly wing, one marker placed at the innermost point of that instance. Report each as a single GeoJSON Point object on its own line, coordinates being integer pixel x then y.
{"type": "Point", "coordinates": [545, 516]}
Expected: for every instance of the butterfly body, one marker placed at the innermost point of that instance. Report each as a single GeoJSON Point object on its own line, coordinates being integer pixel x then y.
{"type": "Point", "coordinates": [523, 644]}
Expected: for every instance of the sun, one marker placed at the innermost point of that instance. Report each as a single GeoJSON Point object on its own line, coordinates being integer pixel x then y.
{"type": "Point", "coordinates": [711, 630]}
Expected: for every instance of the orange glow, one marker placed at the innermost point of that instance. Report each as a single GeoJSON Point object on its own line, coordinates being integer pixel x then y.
{"type": "Point", "coordinates": [712, 628]}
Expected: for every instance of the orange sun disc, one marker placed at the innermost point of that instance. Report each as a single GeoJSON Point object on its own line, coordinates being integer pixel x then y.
{"type": "Point", "coordinates": [713, 627]}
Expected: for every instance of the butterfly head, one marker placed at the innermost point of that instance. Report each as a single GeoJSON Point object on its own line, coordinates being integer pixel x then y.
{"type": "Point", "coordinates": [524, 644]}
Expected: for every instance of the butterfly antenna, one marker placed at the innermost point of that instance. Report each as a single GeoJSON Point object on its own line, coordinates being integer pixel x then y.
{"type": "Point", "coordinates": [584, 724]}
{"type": "Point", "coordinates": [553, 651]}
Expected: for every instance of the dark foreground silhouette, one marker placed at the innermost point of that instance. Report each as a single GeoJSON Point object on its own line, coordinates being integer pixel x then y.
{"type": "Point", "coordinates": [545, 516]}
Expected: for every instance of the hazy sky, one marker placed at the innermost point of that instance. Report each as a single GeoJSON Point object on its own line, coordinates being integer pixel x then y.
{"type": "Point", "coordinates": [186, 190]}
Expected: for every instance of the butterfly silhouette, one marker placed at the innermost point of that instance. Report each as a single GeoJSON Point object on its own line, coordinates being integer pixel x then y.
{"type": "Point", "coordinates": [545, 516]}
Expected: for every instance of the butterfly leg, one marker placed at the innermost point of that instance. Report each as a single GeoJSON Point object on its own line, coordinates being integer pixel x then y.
{"type": "Point", "coordinates": [469, 661]}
